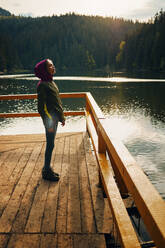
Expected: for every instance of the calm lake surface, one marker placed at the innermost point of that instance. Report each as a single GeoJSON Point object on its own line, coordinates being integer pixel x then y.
{"type": "Point", "coordinates": [134, 108]}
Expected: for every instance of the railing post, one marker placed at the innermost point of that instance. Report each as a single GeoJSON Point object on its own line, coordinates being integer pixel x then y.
{"type": "Point", "coordinates": [101, 143]}
{"type": "Point", "coordinates": [87, 113]}
{"type": "Point", "coordinates": [120, 182]}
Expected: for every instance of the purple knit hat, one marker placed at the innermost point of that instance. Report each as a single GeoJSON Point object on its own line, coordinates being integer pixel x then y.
{"type": "Point", "coordinates": [41, 71]}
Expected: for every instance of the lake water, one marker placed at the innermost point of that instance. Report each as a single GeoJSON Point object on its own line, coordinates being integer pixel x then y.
{"type": "Point", "coordinates": [134, 108]}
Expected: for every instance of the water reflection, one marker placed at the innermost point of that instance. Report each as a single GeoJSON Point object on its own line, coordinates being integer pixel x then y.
{"type": "Point", "coordinates": [135, 114]}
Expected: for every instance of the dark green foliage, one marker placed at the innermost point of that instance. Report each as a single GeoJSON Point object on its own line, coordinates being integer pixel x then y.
{"type": "Point", "coordinates": [75, 43]}
{"type": "Point", "coordinates": [144, 48]}
{"type": "Point", "coordinates": [78, 43]}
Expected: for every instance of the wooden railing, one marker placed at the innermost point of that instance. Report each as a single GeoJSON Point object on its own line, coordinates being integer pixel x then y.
{"type": "Point", "coordinates": [119, 173]}
{"type": "Point", "coordinates": [34, 96]}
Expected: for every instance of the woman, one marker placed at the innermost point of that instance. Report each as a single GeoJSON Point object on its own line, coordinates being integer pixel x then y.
{"type": "Point", "coordinates": [50, 109]}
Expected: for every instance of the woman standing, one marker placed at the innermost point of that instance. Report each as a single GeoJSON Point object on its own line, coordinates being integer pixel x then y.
{"type": "Point", "coordinates": [50, 109]}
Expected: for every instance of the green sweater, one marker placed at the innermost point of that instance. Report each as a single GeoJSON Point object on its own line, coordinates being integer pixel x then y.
{"type": "Point", "coordinates": [49, 101]}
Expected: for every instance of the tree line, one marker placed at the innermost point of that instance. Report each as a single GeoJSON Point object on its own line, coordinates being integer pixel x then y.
{"type": "Point", "coordinates": [79, 43]}
{"type": "Point", "coordinates": [143, 49]}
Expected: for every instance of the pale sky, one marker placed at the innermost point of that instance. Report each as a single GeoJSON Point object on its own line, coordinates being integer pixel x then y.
{"type": "Point", "coordinates": [129, 9]}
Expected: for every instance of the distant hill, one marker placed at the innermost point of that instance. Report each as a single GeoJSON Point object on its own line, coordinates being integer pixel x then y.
{"type": "Point", "coordinates": [4, 12]}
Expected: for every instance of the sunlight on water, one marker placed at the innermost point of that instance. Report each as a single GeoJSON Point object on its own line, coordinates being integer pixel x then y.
{"type": "Point", "coordinates": [145, 142]}
{"type": "Point", "coordinates": [34, 125]}
{"type": "Point", "coordinates": [85, 78]}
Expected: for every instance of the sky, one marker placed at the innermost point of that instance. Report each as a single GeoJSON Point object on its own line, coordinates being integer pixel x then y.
{"type": "Point", "coordinates": [141, 10]}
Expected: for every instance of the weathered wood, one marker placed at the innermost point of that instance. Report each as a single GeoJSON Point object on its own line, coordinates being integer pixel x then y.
{"type": "Point", "coordinates": [26, 203]}
{"type": "Point", "coordinates": [48, 241]}
{"type": "Point", "coordinates": [74, 216]}
{"type": "Point", "coordinates": [94, 108]}
{"type": "Point", "coordinates": [88, 241]}
{"type": "Point", "coordinates": [65, 241]}
{"type": "Point", "coordinates": [8, 216]}
{"type": "Point", "coordinates": [37, 213]}
{"type": "Point", "coordinates": [81, 241]}
{"type": "Point", "coordinates": [87, 212]}
{"type": "Point", "coordinates": [7, 187]}
{"type": "Point", "coordinates": [50, 212]}
{"type": "Point", "coordinates": [3, 240]}
{"type": "Point", "coordinates": [24, 240]}
{"type": "Point", "coordinates": [9, 165]}
{"type": "Point", "coordinates": [35, 218]}
{"type": "Point", "coordinates": [21, 163]}
{"type": "Point", "coordinates": [34, 96]}
{"type": "Point", "coordinates": [23, 115]}
{"type": "Point", "coordinates": [97, 241]}
{"type": "Point", "coordinates": [103, 218]}
{"type": "Point", "coordinates": [18, 97]}
{"type": "Point", "coordinates": [62, 208]}
{"type": "Point", "coordinates": [101, 143]}
{"type": "Point", "coordinates": [3, 157]}
{"type": "Point", "coordinates": [73, 95]}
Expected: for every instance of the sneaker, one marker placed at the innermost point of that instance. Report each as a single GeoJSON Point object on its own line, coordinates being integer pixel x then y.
{"type": "Point", "coordinates": [50, 175]}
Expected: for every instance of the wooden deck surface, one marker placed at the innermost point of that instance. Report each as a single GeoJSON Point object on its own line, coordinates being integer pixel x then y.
{"type": "Point", "coordinates": [36, 213]}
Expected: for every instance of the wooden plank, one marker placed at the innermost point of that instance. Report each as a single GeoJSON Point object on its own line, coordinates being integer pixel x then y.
{"type": "Point", "coordinates": [3, 157]}
{"type": "Point", "coordinates": [26, 203]}
{"type": "Point", "coordinates": [21, 138]}
{"type": "Point", "coordinates": [89, 240]}
{"type": "Point", "coordinates": [8, 184]}
{"type": "Point", "coordinates": [87, 212]}
{"type": "Point", "coordinates": [50, 212]}
{"type": "Point", "coordinates": [9, 165]}
{"type": "Point", "coordinates": [8, 216]}
{"type": "Point", "coordinates": [24, 240]}
{"type": "Point", "coordinates": [103, 218]}
{"type": "Point", "coordinates": [23, 115]}
{"type": "Point", "coordinates": [17, 115]}
{"type": "Point", "coordinates": [5, 194]}
{"type": "Point", "coordinates": [3, 240]}
{"type": "Point", "coordinates": [73, 218]}
{"type": "Point", "coordinates": [95, 141]}
{"type": "Point", "coordinates": [65, 241]}
{"type": "Point", "coordinates": [10, 147]}
{"type": "Point", "coordinates": [16, 97]}
{"type": "Point", "coordinates": [35, 217]}
{"type": "Point", "coordinates": [97, 241]}
{"type": "Point", "coordinates": [73, 95]}
{"type": "Point", "coordinates": [61, 224]}
{"type": "Point", "coordinates": [81, 241]}
{"type": "Point", "coordinates": [94, 109]}
{"type": "Point", "coordinates": [17, 172]}
{"type": "Point", "coordinates": [34, 96]}
{"type": "Point", "coordinates": [48, 241]}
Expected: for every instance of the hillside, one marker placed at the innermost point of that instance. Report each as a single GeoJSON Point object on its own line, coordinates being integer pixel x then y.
{"type": "Point", "coordinates": [4, 12]}
{"type": "Point", "coordinates": [75, 43]}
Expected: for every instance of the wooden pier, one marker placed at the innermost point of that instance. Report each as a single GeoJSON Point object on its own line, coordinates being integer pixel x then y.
{"type": "Point", "coordinates": [86, 208]}
{"type": "Point", "coordinates": [36, 213]}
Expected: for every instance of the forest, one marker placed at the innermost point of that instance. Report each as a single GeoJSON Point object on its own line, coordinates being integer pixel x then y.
{"type": "Point", "coordinates": [78, 44]}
